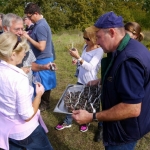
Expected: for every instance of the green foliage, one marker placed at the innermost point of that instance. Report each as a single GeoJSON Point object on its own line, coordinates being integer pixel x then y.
{"type": "Point", "coordinates": [79, 14]}
{"type": "Point", "coordinates": [146, 5]}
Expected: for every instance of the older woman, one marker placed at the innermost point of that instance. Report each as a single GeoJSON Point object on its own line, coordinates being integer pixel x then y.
{"type": "Point", "coordinates": [20, 120]}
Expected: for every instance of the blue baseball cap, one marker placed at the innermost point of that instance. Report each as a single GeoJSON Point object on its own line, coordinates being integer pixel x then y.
{"type": "Point", "coordinates": [109, 20]}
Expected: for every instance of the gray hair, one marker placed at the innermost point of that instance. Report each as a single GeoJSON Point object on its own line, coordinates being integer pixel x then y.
{"type": "Point", "coordinates": [9, 18]}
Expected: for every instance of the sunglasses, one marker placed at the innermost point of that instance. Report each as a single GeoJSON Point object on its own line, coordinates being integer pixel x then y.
{"type": "Point", "coordinates": [30, 16]}
{"type": "Point", "coordinates": [86, 38]}
{"type": "Point", "coordinates": [18, 41]}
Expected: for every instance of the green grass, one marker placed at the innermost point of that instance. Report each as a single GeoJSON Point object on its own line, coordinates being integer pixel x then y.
{"type": "Point", "coordinates": [72, 138]}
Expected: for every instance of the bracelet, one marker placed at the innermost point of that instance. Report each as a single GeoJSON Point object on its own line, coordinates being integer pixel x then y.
{"type": "Point", "coordinates": [80, 59]}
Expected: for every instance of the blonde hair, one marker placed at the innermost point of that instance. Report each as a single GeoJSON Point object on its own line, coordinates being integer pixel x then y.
{"type": "Point", "coordinates": [90, 33]}
{"type": "Point", "coordinates": [9, 43]}
{"type": "Point", "coordinates": [134, 28]}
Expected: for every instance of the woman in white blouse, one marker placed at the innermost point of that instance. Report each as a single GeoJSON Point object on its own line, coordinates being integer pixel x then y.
{"type": "Point", "coordinates": [88, 65]}
{"type": "Point", "coordinates": [20, 120]}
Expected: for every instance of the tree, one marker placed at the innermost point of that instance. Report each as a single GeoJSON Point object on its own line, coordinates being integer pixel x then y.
{"type": "Point", "coordinates": [79, 14]}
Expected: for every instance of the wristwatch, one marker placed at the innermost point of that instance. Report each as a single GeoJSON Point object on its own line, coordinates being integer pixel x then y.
{"type": "Point", "coordinates": [94, 117]}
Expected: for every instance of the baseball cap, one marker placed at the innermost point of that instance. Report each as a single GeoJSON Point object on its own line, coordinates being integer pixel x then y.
{"type": "Point", "coordinates": [109, 20]}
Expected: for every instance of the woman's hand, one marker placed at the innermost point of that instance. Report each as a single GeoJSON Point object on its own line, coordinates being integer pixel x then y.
{"type": "Point", "coordinates": [74, 53]}
{"type": "Point", "coordinates": [39, 89]}
{"type": "Point", "coordinates": [74, 61]}
{"type": "Point", "coordinates": [94, 82]}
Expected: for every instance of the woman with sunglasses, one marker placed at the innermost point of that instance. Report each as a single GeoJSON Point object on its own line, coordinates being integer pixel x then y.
{"type": "Point", "coordinates": [89, 64]}
{"type": "Point", "coordinates": [21, 125]}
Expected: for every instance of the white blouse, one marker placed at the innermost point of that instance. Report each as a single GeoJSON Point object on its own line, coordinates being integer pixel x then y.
{"type": "Point", "coordinates": [92, 62]}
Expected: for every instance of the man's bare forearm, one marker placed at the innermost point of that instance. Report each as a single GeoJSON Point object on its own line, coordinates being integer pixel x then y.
{"type": "Point", "coordinates": [38, 67]}
{"type": "Point", "coordinates": [120, 112]}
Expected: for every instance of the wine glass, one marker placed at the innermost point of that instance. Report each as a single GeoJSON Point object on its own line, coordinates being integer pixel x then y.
{"type": "Point", "coordinates": [27, 64]}
{"type": "Point", "coordinates": [36, 78]}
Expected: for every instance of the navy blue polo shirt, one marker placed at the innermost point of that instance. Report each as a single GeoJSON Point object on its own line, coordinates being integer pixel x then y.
{"type": "Point", "coordinates": [42, 32]}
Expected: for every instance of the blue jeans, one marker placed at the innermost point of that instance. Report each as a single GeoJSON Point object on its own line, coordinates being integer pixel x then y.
{"type": "Point", "coordinates": [100, 124]}
{"type": "Point", "coordinates": [37, 140]}
{"type": "Point", "coordinates": [129, 146]}
{"type": "Point", "coordinates": [68, 119]}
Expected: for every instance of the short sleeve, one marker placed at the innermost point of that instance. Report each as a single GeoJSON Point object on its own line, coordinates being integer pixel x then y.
{"type": "Point", "coordinates": [41, 33]}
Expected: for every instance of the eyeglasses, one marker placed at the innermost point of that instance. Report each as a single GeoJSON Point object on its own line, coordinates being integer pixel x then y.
{"type": "Point", "coordinates": [86, 38]}
{"type": "Point", "coordinates": [30, 16]}
{"type": "Point", "coordinates": [18, 41]}
{"type": "Point", "coordinates": [18, 29]}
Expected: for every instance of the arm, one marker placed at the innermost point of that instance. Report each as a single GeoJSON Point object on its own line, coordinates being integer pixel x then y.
{"type": "Point", "coordinates": [131, 91]}
{"type": "Point", "coordinates": [25, 109]}
{"type": "Point", "coordinates": [37, 99]}
{"type": "Point", "coordinates": [94, 61]}
{"type": "Point", "coordinates": [38, 67]}
{"type": "Point", "coordinates": [34, 66]}
{"type": "Point", "coordinates": [118, 112]}
{"type": "Point", "coordinates": [39, 45]}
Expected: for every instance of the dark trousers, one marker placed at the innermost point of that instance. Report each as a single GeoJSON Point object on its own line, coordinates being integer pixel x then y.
{"type": "Point", "coordinates": [45, 99]}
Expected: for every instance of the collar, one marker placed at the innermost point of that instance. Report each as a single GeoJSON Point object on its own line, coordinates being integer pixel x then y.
{"type": "Point", "coordinates": [39, 21]}
{"type": "Point", "coordinates": [124, 42]}
{"type": "Point", "coordinates": [30, 25]}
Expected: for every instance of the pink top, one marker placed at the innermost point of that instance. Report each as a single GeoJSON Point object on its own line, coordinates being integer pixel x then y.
{"type": "Point", "coordinates": [16, 99]}
{"type": "Point", "coordinates": [9, 126]}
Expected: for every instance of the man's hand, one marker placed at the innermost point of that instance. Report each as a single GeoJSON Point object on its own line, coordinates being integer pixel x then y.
{"type": "Point", "coordinates": [53, 66]}
{"type": "Point", "coordinates": [48, 66]}
{"type": "Point", "coordinates": [82, 116]}
{"type": "Point", "coordinates": [25, 34]}
{"type": "Point", "coordinates": [94, 82]}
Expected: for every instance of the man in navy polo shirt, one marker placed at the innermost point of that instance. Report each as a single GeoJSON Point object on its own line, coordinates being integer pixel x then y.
{"type": "Point", "coordinates": [125, 86]}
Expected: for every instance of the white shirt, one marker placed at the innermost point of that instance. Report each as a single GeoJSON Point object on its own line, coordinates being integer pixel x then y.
{"type": "Point", "coordinates": [92, 62]}
{"type": "Point", "coordinates": [16, 96]}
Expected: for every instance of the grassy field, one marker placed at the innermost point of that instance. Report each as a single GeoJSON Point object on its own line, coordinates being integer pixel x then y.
{"type": "Point", "coordinates": [72, 138]}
